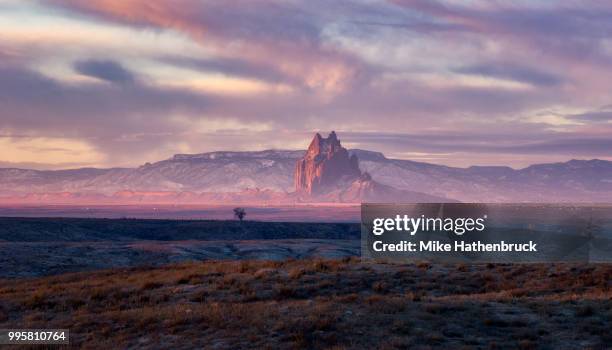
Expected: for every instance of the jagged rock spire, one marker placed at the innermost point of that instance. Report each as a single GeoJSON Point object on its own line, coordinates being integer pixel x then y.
{"type": "Point", "coordinates": [324, 164]}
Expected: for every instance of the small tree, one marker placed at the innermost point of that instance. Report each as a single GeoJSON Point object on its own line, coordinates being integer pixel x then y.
{"type": "Point", "coordinates": [239, 213]}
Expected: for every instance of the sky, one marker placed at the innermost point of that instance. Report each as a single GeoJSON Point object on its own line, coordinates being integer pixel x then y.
{"type": "Point", "coordinates": [117, 83]}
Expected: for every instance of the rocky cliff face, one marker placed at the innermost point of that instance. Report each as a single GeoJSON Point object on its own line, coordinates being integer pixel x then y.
{"type": "Point", "coordinates": [325, 165]}
{"type": "Point", "coordinates": [328, 173]}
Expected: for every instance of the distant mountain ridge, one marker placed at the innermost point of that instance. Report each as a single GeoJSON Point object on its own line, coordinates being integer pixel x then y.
{"type": "Point", "coordinates": [225, 175]}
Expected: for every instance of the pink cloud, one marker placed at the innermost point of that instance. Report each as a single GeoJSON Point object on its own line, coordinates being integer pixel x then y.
{"type": "Point", "coordinates": [267, 33]}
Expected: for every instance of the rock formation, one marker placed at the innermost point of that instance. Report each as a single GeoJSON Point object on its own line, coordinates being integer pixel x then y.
{"type": "Point", "coordinates": [325, 165]}
{"type": "Point", "coordinates": [327, 173]}
{"type": "Point", "coordinates": [365, 189]}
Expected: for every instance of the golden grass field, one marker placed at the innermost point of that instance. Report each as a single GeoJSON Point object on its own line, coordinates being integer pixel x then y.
{"type": "Point", "coordinates": [320, 304]}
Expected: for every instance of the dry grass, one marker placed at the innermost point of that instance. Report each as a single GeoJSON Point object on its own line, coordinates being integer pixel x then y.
{"type": "Point", "coordinates": [323, 304]}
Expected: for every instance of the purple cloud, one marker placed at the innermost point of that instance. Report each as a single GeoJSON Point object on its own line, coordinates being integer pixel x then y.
{"type": "Point", "coordinates": [599, 116]}
{"type": "Point", "coordinates": [513, 72]}
{"type": "Point", "coordinates": [105, 70]}
{"type": "Point", "coordinates": [539, 142]}
{"type": "Point", "coordinates": [445, 77]}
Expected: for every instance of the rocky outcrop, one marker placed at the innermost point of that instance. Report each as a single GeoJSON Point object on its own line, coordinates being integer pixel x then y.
{"type": "Point", "coordinates": [365, 189]}
{"type": "Point", "coordinates": [325, 165]}
{"type": "Point", "coordinates": [327, 173]}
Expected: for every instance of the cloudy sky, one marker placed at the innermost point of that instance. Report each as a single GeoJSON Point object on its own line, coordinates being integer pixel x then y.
{"type": "Point", "coordinates": [124, 82]}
